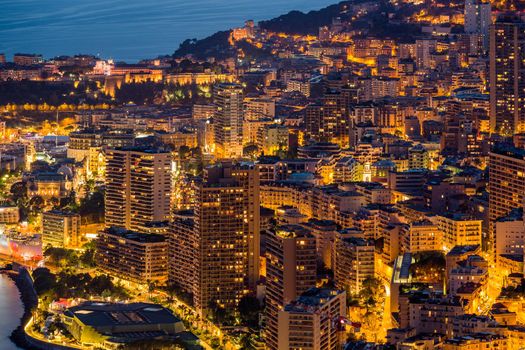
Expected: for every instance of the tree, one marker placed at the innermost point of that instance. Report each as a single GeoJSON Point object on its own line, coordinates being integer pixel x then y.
{"type": "Point", "coordinates": [429, 266]}
{"type": "Point", "coordinates": [372, 299]}
{"type": "Point", "coordinates": [87, 258]}
{"type": "Point", "coordinates": [220, 315]}
{"type": "Point", "coordinates": [61, 257]}
{"type": "Point", "coordinates": [36, 204]}
{"type": "Point", "coordinates": [250, 151]}
{"type": "Point", "coordinates": [69, 202]}
{"type": "Point", "coordinates": [249, 308]}
{"type": "Point", "coordinates": [91, 208]}
{"type": "Point", "coordinates": [184, 152]}
{"type": "Point", "coordinates": [55, 202]}
{"type": "Point", "coordinates": [43, 280]}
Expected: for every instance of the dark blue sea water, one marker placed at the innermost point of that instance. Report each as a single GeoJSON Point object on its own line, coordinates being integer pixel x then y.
{"type": "Point", "coordinates": [126, 29]}
{"type": "Point", "coordinates": [11, 310]}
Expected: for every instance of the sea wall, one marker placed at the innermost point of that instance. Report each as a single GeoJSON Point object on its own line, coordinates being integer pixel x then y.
{"type": "Point", "coordinates": [29, 298]}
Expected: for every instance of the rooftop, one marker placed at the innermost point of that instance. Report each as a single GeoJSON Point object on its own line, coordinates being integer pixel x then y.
{"type": "Point", "coordinates": [311, 299]}
{"type": "Point", "coordinates": [102, 314]}
{"type": "Point", "coordinates": [135, 236]}
{"type": "Point", "coordinates": [463, 249]}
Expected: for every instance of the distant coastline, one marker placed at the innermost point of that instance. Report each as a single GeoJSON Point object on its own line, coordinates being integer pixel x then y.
{"type": "Point", "coordinates": [127, 31]}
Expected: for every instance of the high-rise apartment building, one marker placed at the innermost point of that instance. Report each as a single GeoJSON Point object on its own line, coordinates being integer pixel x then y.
{"type": "Point", "coordinates": [329, 119]}
{"type": "Point", "coordinates": [138, 187]}
{"type": "Point", "coordinates": [226, 229]}
{"type": "Point", "coordinates": [313, 320]}
{"type": "Point", "coordinates": [60, 229]}
{"type": "Point", "coordinates": [353, 262]}
{"type": "Point", "coordinates": [423, 51]}
{"type": "Point", "coordinates": [478, 19]}
{"type": "Point", "coordinates": [506, 183]}
{"type": "Point", "coordinates": [134, 256]}
{"type": "Point", "coordinates": [182, 254]}
{"type": "Point", "coordinates": [228, 120]}
{"type": "Point", "coordinates": [291, 262]}
{"type": "Point", "coordinates": [507, 75]}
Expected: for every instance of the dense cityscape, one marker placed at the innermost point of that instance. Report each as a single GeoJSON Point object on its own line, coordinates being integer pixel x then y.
{"type": "Point", "coordinates": [348, 178]}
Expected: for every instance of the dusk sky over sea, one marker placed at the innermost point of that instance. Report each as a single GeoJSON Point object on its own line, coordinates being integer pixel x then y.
{"type": "Point", "coordinates": [126, 29]}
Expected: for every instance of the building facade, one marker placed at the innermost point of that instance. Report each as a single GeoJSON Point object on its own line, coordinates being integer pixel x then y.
{"type": "Point", "coordinates": [290, 270]}
{"type": "Point", "coordinates": [138, 187]}
{"type": "Point", "coordinates": [133, 256]}
{"type": "Point", "coordinates": [60, 229]}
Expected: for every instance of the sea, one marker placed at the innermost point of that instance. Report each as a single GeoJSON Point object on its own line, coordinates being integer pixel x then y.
{"type": "Point", "coordinates": [126, 30]}
{"type": "Point", "coordinates": [11, 310]}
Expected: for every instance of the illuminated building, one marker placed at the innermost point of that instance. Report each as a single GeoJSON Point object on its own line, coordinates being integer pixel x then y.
{"type": "Point", "coordinates": [133, 256]}
{"type": "Point", "coordinates": [480, 341]}
{"type": "Point", "coordinates": [23, 59]}
{"type": "Point", "coordinates": [300, 86]}
{"type": "Point", "coordinates": [506, 183]}
{"type": "Point", "coordinates": [138, 187]}
{"type": "Point", "coordinates": [179, 138]}
{"type": "Point", "coordinates": [253, 130]}
{"type": "Point", "coordinates": [290, 270]}
{"type": "Point", "coordinates": [200, 111]}
{"type": "Point", "coordinates": [18, 73]}
{"type": "Point", "coordinates": [115, 325]}
{"type": "Point", "coordinates": [459, 229]}
{"type": "Point", "coordinates": [378, 87]}
{"type": "Point", "coordinates": [510, 236]}
{"type": "Point", "coordinates": [245, 32]}
{"type": "Point", "coordinates": [226, 226]}
{"type": "Point", "coordinates": [87, 146]}
{"type": "Point", "coordinates": [324, 232]}
{"type": "Point", "coordinates": [470, 323]}
{"type": "Point", "coordinates": [472, 271]}
{"type": "Point", "coordinates": [118, 138]}
{"type": "Point", "coordinates": [182, 255]}
{"type": "Point", "coordinates": [507, 75]}
{"type": "Point", "coordinates": [273, 138]}
{"type": "Point", "coordinates": [200, 79]}
{"type": "Point", "coordinates": [353, 263]}
{"type": "Point", "coordinates": [420, 236]}
{"type": "Point", "coordinates": [478, 19]}
{"type": "Point", "coordinates": [328, 120]}
{"type": "Point", "coordinates": [228, 120]}
{"type": "Point", "coordinates": [391, 242]}
{"type": "Point", "coordinates": [80, 142]}
{"type": "Point", "coordinates": [423, 50]}
{"type": "Point", "coordinates": [9, 215]}
{"type": "Point", "coordinates": [459, 254]}
{"type": "Point", "coordinates": [410, 181]}
{"type": "Point", "coordinates": [260, 108]}
{"type": "Point", "coordinates": [418, 157]}
{"type": "Point", "coordinates": [61, 229]}
{"type": "Point", "coordinates": [48, 186]}
{"type": "Point", "coordinates": [419, 342]}
{"type": "Point", "coordinates": [428, 313]}
{"type": "Point", "coordinates": [347, 169]}
{"type": "Point", "coordinates": [313, 320]}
